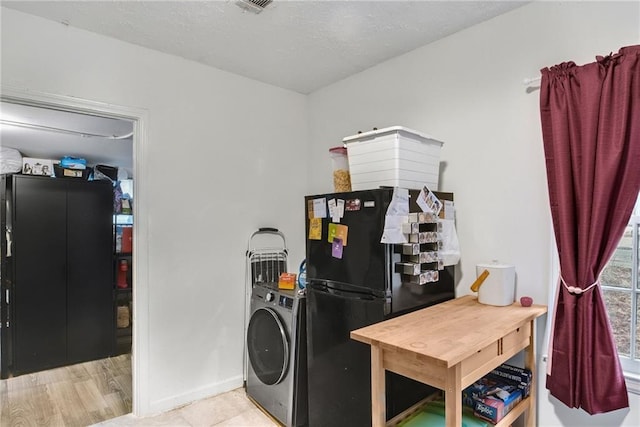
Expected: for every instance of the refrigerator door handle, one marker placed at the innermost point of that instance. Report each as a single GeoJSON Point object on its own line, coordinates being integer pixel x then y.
{"type": "Point", "coordinates": [324, 286]}
{"type": "Point", "coordinates": [8, 235]}
{"type": "Point", "coordinates": [351, 295]}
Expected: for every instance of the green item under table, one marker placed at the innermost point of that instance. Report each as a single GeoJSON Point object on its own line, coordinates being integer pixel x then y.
{"type": "Point", "coordinates": [432, 415]}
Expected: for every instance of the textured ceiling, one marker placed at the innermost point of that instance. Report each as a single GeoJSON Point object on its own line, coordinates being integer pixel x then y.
{"type": "Point", "coordinates": [297, 45]}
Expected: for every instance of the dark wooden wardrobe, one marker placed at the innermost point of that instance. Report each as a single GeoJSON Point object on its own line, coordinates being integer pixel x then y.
{"type": "Point", "coordinates": [57, 272]}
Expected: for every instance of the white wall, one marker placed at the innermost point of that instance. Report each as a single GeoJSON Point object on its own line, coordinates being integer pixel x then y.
{"type": "Point", "coordinates": [220, 150]}
{"type": "Point", "coordinates": [467, 90]}
{"type": "Point", "coordinates": [220, 162]}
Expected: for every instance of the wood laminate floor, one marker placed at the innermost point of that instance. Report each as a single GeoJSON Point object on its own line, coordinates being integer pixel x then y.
{"type": "Point", "coordinates": [99, 393]}
{"type": "Point", "coordinates": [76, 395]}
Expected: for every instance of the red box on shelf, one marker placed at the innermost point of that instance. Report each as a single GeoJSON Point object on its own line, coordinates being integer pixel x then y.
{"type": "Point", "coordinates": [127, 239]}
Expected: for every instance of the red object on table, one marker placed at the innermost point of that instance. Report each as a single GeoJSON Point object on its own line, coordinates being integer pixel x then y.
{"type": "Point", "coordinates": [526, 301]}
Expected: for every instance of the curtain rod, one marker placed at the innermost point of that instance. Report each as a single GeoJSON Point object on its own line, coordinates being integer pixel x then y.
{"type": "Point", "coordinates": [531, 80]}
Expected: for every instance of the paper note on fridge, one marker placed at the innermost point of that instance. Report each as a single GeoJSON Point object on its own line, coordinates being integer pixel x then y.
{"type": "Point", "coordinates": [449, 210]}
{"type": "Point", "coordinates": [320, 208]}
{"type": "Point", "coordinates": [393, 229]}
{"type": "Point", "coordinates": [397, 213]}
{"type": "Point", "coordinates": [336, 209]}
{"type": "Point", "coordinates": [450, 251]}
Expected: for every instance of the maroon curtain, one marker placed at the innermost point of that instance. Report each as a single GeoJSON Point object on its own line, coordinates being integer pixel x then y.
{"type": "Point", "coordinates": [591, 130]}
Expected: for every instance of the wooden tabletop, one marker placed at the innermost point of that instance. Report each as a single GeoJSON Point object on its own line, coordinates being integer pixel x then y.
{"type": "Point", "coordinates": [449, 332]}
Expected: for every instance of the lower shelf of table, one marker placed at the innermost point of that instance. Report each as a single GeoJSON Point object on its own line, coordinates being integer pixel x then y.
{"type": "Point", "coordinates": [508, 419]}
{"type": "Point", "coordinates": [412, 410]}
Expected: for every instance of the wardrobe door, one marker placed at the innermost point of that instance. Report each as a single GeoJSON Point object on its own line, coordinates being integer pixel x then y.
{"type": "Point", "coordinates": [39, 253]}
{"type": "Point", "coordinates": [90, 269]}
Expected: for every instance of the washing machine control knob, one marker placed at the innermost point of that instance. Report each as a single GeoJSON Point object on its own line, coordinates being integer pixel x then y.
{"type": "Point", "coordinates": [269, 297]}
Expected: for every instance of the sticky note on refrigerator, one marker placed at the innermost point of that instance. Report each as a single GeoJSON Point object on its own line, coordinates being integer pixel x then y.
{"type": "Point", "coordinates": [315, 229]}
{"type": "Point", "coordinates": [339, 231]}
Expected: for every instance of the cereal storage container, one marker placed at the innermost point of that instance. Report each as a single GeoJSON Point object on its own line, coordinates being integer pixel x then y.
{"type": "Point", "coordinates": [341, 176]}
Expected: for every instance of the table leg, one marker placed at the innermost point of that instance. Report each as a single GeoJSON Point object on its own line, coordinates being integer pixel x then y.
{"type": "Point", "coordinates": [530, 363]}
{"type": "Point", "coordinates": [453, 397]}
{"type": "Point", "coordinates": [378, 402]}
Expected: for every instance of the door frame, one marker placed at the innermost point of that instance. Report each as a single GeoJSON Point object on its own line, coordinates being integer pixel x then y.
{"type": "Point", "coordinates": [140, 118]}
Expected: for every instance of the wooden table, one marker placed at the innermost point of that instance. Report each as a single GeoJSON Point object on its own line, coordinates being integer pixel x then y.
{"type": "Point", "coordinates": [449, 346]}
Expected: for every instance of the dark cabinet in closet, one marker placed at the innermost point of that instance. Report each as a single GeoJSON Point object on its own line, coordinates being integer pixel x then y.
{"type": "Point", "coordinates": [60, 306]}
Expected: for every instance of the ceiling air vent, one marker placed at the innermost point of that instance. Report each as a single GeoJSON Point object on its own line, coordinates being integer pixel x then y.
{"type": "Point", "coordinates": [255, 6]}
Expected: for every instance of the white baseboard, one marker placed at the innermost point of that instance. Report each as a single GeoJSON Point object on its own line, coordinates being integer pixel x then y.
{"type": "Point", "coordinates": [173, 402]}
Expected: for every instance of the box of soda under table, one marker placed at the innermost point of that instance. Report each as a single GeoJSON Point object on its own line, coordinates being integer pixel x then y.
{"type": "Point", "coordinates": [497, 393]}
{"type": "Point", "coordinates": [394, 157]}
{"type": "Point", "coordinates": [521, 377]}
{"type": "Point", "coordinates": [494, 407]}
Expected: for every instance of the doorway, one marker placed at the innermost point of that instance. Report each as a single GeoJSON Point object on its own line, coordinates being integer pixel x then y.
{"type": "Point", "coordinates": [102, 113]}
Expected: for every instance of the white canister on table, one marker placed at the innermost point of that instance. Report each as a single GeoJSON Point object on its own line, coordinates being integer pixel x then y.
{"type": "Point", "coordinates": [499, 288]}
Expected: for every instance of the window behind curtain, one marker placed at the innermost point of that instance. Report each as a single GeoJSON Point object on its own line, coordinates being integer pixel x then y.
{"type": "Point", "coordinates": [621, 289]}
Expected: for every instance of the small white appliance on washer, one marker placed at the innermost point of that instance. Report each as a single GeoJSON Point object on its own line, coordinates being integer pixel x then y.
{"type": "Point", "coordinates": [276, 346]}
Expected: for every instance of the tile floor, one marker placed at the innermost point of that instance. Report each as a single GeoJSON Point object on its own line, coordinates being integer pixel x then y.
{"type": "Point", "coordinates": [228, 409]}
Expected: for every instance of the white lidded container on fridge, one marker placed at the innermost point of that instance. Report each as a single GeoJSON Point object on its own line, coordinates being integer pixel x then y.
{"type": "Point", "coordinates": [499, 288]}
{"type": "Point", "coordinates": [394, 157]}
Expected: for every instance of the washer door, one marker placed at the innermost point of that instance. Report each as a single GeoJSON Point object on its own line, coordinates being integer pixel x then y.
{"type": "Point", "coordinates": [267, 346]}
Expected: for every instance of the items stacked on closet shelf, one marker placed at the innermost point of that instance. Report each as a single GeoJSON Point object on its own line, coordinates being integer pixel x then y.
{"type": "Point", "coordinates": [123, 265]}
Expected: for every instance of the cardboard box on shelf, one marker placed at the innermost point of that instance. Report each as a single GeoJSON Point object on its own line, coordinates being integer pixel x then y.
{"type": "Point", "coordinates": [124, 238]}
{"type": "Point", "coordinates": [287, 281]}
{"type": "Point", "coordinates": [61, 172]}
{"type": "Point", "coordinates": [127, 239]}
{"type": "Point", "coordinates": [33, 166]}
{"type": "Point", "coordinates": [123, 316]}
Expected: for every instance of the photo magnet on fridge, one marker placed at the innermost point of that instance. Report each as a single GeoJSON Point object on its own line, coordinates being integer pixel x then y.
{"type": "Point", "coordinates": [336, 248]}
{"type": "Point", "coordinates": [428, 201]}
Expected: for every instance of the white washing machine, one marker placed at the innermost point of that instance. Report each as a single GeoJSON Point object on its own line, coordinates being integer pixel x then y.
{"type": "Point", "coordinates": [276, 348]}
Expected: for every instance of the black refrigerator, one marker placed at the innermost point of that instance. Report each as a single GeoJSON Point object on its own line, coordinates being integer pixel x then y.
{"type": "Point", "coordinates": [351, 286]}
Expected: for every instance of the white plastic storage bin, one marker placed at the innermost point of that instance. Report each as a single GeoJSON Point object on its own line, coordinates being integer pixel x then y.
{"type": "Point", "coordinates": [395, 157]}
